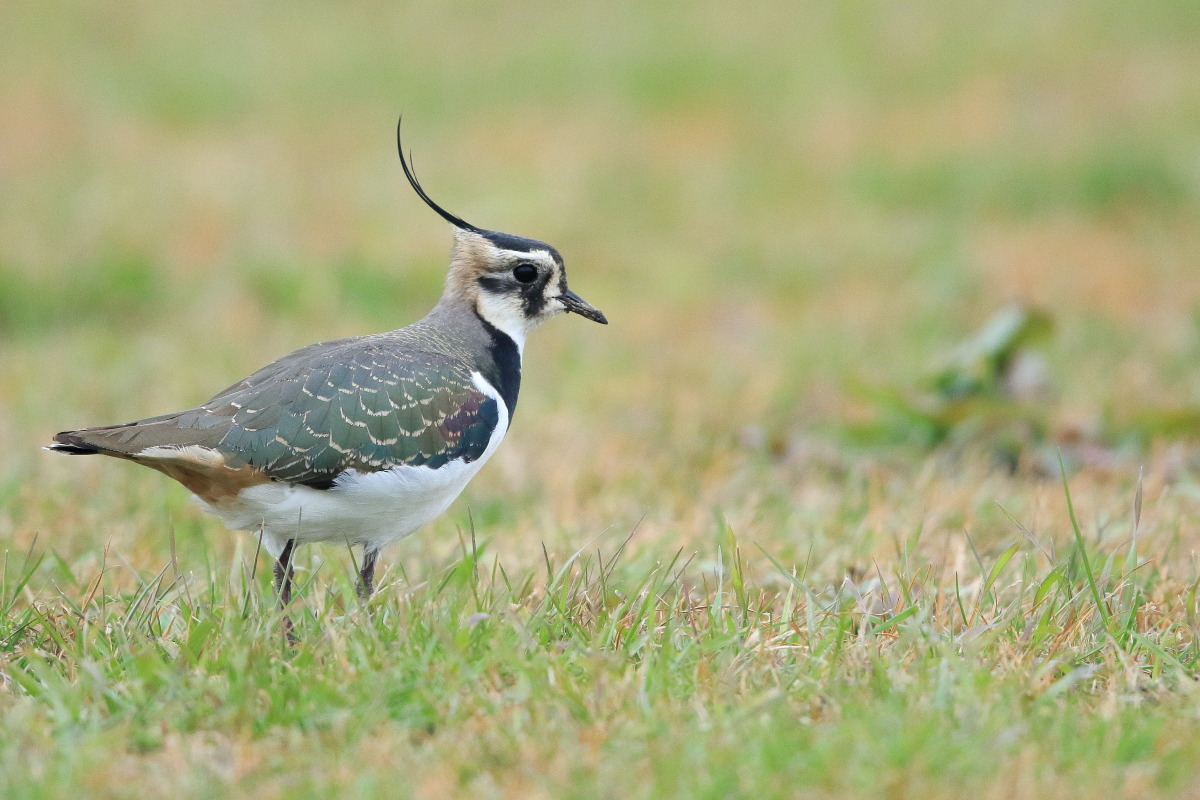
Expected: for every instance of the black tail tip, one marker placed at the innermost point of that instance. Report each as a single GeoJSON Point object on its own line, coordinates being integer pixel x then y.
{"type": "Point", "coordinates": [70, 443]}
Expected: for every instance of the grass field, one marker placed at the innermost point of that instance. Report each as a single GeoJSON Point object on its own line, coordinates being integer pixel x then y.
{"type": "Point", "coordinates": [777, 531]}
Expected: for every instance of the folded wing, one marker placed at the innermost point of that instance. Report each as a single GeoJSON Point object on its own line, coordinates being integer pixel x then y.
{"type": "Point", "coordinates": [312, 415]}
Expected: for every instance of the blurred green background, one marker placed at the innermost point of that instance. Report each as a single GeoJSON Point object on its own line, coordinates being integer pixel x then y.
{"type": "Point", "coordinates": [788, 211]}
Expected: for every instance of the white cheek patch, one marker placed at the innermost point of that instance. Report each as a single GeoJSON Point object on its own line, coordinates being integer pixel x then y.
{"type": "Point", "coordinates": [506, 310]}
{"type": "Point", "coordinates": [506, 313]}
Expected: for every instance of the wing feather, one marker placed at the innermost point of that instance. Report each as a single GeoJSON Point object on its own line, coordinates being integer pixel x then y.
{"type": "Point", "coordinates": [325, 409]}
{"type": "Point", "coordinates": [364, 410]}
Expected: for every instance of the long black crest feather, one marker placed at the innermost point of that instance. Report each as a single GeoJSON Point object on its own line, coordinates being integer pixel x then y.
{"type": "Point", "coordinates": [457, 222]}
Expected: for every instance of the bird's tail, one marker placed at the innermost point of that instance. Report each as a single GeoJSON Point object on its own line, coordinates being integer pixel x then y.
{"type": "Point", "coordinates": [124, 440]}
{"type": "Point", "coordinates": [72, 443]}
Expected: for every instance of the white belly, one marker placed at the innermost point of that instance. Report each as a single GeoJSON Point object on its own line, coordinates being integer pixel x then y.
{"type": "Point", "coordinates": [371, 509]}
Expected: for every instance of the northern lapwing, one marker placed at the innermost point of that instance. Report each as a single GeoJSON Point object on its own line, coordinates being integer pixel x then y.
{"type": "Point", "coordinates": [363, 440]}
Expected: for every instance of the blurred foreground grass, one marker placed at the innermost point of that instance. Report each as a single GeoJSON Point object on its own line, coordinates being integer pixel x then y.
{"type": "Point", "coordinates": [788, 213]}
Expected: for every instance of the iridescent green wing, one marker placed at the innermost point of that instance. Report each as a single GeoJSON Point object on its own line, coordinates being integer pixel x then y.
{"type": "Point", "coordinates": [348, 405]}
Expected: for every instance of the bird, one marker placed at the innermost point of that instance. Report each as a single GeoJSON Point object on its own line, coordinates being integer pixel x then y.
{"type": "Point", "coordinates": [363, 440]}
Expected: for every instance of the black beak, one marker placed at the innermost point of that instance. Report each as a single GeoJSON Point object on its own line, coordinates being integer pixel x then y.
{"type": "Point", "coordinates": [577, 305]}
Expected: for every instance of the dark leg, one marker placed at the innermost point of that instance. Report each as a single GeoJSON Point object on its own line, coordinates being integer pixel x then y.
{"type": "Point", "coordinates": [283, 586]}
{"type": "Point", "coordinates": [366, 584]}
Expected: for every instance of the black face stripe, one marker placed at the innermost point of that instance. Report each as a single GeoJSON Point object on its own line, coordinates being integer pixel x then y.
{"type": "Point", "coordinates": [532, 295]}
{"type": "Point", "coordinates": [534, 302]}
{"type": "Point", "coordinates": [494, 284]}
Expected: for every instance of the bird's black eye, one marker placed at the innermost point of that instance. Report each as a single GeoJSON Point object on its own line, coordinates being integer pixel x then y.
{"type": "Point", "coordinates": [525, 273]}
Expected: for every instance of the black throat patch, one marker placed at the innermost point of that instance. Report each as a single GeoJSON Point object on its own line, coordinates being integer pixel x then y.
{"type": "Point", "coordinates": [506, 374]}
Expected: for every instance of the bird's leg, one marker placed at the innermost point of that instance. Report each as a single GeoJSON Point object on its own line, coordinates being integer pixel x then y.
{"type": "Point", "coordinates": [366, 584]}
{"type": "Point", "coordinates": [283, 586]}
{"type": "Point", "coordinates": [283, 573]}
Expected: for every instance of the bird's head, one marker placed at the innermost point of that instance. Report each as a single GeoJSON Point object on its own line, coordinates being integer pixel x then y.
{"type": "Point", "coordinates": [512, 282]}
